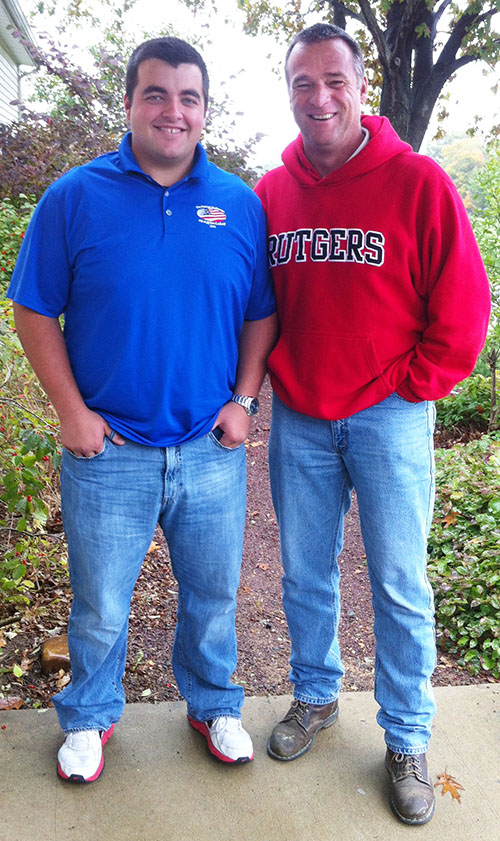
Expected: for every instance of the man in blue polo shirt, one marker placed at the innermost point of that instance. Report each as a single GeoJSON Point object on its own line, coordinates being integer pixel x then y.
{"type": "Point", "coordinates": [157, 259]}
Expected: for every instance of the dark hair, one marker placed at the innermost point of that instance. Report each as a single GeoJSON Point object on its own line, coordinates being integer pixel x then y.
{"type": "Point", "coordinates": [327, 32]}
{"type": "Point", "coordinates": [172, 50]}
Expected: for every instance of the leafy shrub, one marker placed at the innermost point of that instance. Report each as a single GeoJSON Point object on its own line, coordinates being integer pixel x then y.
{"type": "Point", "coordinates": [464, 548]}
{"type": "Point", "coordinates": [29, 454]}
{"type": "Point", "coordinates": [486, 222]}
{"type": "Point", "coordinates": [37, 150]}
{"type": "Point", "coordinates": [468, 403]}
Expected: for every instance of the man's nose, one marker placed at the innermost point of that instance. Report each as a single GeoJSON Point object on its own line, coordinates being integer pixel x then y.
{"type": "Point", "coordinates": [171, 109]}
{"type": "Point", "coordinates": [321, 94]}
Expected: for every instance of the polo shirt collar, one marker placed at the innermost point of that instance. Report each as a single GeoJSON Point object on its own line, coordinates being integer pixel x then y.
{"type": "Point", "coordinates": [128, 163]}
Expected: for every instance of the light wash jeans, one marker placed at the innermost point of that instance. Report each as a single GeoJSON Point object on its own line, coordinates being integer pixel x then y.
{"type": "Point", "coordinates": [386, 454]}
{"type": "Point", "coordinates": [111, 505]}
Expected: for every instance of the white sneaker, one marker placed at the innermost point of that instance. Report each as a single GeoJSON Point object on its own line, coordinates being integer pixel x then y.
{"type": "Point", "coordinates": [226, 738]}
{"type": "Point", "coordinates": [80, 758]}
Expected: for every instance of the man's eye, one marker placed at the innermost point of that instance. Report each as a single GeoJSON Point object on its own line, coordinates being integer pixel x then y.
{"type": "Point", "coordinates": [337, 83]}
{"type": "Point", "coordinates": [190, 101]}
{"type": "Point", "coordinates": [153, 97]}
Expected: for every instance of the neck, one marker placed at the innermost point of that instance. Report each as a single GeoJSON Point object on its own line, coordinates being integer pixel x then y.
{"type": "Point", "coordinates": [326, 160]}
{"type": "Point", "coordinates": [162, 173]}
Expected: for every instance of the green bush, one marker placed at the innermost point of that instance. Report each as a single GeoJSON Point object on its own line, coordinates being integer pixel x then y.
{"type": "Point", "coordinates": [469, 403]}
{"type": "Point", "coordinates": [29, 454]}
{"type": "Point", "coordinates": [464, 549]}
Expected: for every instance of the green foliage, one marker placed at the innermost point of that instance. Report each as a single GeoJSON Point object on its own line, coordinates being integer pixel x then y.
{"type": "Point", "coordinates": [464, 548]}
{"type": "Point", "coordinates": [468, 404]}
{"type": "Point", "coordinates": [477, 400]}
{"type": "Point", "coordinates": [486, 223]}
{"type": "Point", "coordinates": [462, 157]}
{"type": "Point", "coordinates": [29, 455]}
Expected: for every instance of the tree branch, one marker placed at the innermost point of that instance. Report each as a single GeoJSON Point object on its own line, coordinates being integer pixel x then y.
{"type": "Point", "coordinates": [448, 54]}
{"type": "Point", "coordinates": [34, 414]}
{"type": "Point", "coordinates": [341, 12]}
{"type": "Point", "coordinates": [404, 39]}
{"type": "Point", "coordinates": [383, 49]}
{"type": "Point", "coordinates": [439, 12]}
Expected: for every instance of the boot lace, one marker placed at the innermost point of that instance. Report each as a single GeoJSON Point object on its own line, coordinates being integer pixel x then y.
{"type": "Point", "coordinates": [409, 765]}
{"type": "Point", "coordinates": [296, 712]}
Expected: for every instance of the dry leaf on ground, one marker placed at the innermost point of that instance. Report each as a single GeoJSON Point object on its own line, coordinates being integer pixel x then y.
{"type": "Point", "coordinates": [11, 702]}
{"type": "Point", "coordinates": [450, 785]}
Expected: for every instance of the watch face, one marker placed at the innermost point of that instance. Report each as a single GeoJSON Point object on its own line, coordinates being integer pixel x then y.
{"type": "Point", "coordinates": [250, 404]}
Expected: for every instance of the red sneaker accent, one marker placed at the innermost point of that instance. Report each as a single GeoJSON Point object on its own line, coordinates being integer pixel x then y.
{"type": "Point", "coordinates": [203, 728]}
{"type": "Point", "coordinates": [78, 778]}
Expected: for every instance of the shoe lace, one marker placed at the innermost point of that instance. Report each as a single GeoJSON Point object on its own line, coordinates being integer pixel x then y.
{"type": "Point", "coordinates": [80, 739]}
{"type": "Point", "coordinates": [296, 712]}
{"type": "Point", "coordinates": [225, 722]}
{"type": "Point", "coordinates": [410, 765]}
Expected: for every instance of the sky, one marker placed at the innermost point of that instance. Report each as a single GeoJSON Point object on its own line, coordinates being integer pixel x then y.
{"type": "Point", "coordinates": [246, 68]}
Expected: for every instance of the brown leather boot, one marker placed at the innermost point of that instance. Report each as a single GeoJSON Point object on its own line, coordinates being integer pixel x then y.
{"type": "Point", "coordinates": [295, 734]}
{"type": "Point", "coordinates": [412, 793]}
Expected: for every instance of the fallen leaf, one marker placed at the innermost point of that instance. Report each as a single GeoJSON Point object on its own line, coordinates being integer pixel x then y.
{"type": "Point", "coordinates": [11, 702]}
{"type": "Point", "coordinates": [62, 679]}
{"type": "Point", "coordinates": [26, 662]}
{"type": "Point", "coordinates": [258, 444]}
{"type": "Point", "coordinates": [246, 588]}
{"type": "Point", "coordinates": [263, 566]}
{"type": "Point", "coordinates": [153, 547]}
{"type": "Point", "coordinates": [450, 519]}
{"type": "Point", "coordinates": [450, 784]}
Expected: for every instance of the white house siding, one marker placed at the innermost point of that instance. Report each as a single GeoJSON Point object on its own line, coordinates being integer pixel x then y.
{"type": "Point", "coordinates": [9, 87]}
{"type": "Point", "coordinates": [13, 55]}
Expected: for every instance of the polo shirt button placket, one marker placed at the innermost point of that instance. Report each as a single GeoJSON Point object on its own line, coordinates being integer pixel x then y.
{"type": "Point", "coordinates": [166, 194]}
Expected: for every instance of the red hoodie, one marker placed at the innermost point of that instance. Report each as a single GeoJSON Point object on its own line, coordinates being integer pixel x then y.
{"type": "Point", "coordinates": [379, 281]}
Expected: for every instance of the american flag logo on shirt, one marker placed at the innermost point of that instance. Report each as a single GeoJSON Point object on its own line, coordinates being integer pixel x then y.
{"type": "Point", "coordinates": [212, 216]}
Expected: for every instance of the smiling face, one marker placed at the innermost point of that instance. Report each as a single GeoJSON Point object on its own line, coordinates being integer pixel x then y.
{"type": "Point", "coordinates": [166, 117]}
{"type": "Point", "coordinates": [326, 97]}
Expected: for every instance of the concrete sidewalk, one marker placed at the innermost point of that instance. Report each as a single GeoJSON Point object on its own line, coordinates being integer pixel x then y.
{"type": "Point", "coordinates": [161, 784]}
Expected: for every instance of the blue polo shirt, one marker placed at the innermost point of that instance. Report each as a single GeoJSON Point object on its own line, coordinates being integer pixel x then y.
{"type": "Point", "coordinates": [154, 284]}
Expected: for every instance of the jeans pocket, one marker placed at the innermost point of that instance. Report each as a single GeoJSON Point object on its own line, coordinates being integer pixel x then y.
{"type": "Point", "coordinates": [215, 435]}
{"type": "Point", "coordinates": [89, 458]}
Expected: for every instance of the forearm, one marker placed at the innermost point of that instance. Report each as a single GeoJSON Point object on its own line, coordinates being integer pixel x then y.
{"type": "Point", "coordinates": [82, 430]}
{"type": "Point", "coordinates": [256, 342]}
{"type": "Point", "coordinates": [44, 346]}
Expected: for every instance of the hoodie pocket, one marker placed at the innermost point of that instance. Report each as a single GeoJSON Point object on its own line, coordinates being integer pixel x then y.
{"type": "Point", "coordinates": [312, 365]}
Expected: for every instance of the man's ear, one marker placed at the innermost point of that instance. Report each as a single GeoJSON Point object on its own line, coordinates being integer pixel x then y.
{"type": "Point", "coordinates": [364, 89]}
{"type": "Point", "coordinates": [127, 104]}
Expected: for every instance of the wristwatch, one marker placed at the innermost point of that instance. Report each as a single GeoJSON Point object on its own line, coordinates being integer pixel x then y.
{"type": "Point", "coordinates": [250, 404]}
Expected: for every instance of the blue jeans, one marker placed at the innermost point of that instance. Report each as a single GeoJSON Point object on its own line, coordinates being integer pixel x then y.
{"type": "Point", "coordinates": [386, 454]}
{"type": "Point", "coordinates": [111, 505]}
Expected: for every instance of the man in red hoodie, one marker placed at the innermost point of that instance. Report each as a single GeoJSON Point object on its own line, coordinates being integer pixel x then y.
{"type": "Point", "coordinates": [383, 303]}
